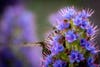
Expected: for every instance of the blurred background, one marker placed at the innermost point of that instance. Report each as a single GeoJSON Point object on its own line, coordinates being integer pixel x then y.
{"type": "Point", "coordinates": [27, 21]}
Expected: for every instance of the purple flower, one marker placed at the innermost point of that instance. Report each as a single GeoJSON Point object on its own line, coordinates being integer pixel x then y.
{"type": "Point", "coordinates": [85, 14]}
{"type": "Point", "coordinates": [70, 36]}
{"type": "Point", "coordinates": [87, 45]}
{"type": "Point", "coordinates": [89, 31]}
{"type": "Point", "coordinates": [80, 19]}
{"type": "Point", "coordinates": [90, 48]}
{"type": "Point", "coordinates": [70, 13]}
{"type": "Point", "coordinates": [56, 38]}
{"type": "Point", "coordinates": [83, 42]}
{"type": "Point", "coordinates": [76, 56]}
{"type": "Point", "coordinates": [84, 24]}
{"type": "Point", "coordinates": [80, 57]}
{"type": "Point", "coordinates": [59, 63]}
{"type": "Point", "coordinates": [90, 62]}
{"type": "Point", "coordinates": [57, 48]}
{"type": "Point", "coordinates": [77, 21]}
{"type": "Point", "coordinates": [48, 60]}
{"type": "Point", "coordinates": [63, 26]}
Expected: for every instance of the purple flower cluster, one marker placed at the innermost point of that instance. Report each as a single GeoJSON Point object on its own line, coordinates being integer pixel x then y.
{"type": "Point", "coordinates": [77, 32]}
{"type": "Point", "coordinates": [55, 49]}
{"type": "Point", "coordinates": [81, 21]}
{"type": "Point", "coordinates": [79, 18]}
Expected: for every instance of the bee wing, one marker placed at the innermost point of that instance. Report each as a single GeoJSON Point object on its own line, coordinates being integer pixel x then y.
{"type": "Point", "coordinates": [45, 50]}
